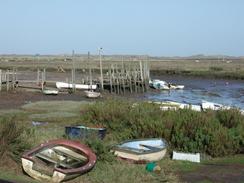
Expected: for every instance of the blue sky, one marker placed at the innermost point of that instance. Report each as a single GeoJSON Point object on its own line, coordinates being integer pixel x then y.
{"type": "Point", "coordinates": [156, 27]}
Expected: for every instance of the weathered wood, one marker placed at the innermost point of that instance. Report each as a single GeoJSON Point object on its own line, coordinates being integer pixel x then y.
{"type": "Point", "coordinates": [110, 80]}
{"type": "Point", "coordinates": [141, 77]}
{"type": "Point", "coordinates": [38, 77]}
{"type": "Point", "coordinates": [0, 80]}
{"type": "Point", "coordinates": [101, 69]}
{"type": "Point", "coordinates": [7, 80]}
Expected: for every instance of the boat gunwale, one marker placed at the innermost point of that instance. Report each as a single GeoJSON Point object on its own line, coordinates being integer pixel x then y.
{"type": "Point", "coordinates": [130, 150]}
{"type": "Point", "coordinates": [68, 143]}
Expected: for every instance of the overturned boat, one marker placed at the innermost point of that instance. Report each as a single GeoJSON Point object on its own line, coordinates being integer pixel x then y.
{"type": "Point", "coordinates": [58, 160]}
{"type": "Point", "coordinates": [92, 94]}
{"type": "Point", "coordinates": [141, 150]}
{"type": "Point", "coordinates": [63, 85]}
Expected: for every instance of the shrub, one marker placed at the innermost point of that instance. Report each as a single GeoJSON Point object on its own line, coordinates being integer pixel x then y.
{"type": "Point", "coordinates": [216, 133]}
{"type": "Point", "coordinates": [14, 138]}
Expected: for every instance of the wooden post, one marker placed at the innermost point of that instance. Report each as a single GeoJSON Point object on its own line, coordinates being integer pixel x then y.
{"type": "Point", "coordinates": [110, 80]}
{"type": "Point", "coordinates": [0, 80]}
{"type": "Point", "coordinates": [101, 69]}
{"type": "Point", "coordinates": [113, 79]}
{"type": "Point", "coordinates": [90, 74]}
{"type": "Point", "coordinates": [7, 80]}
{"type": "Point", "coordinates": [44, 72]}
{"type": "Point", "coordinates": [38, 77]}
{"type": "Point", "coordinates": [130, 78]}
{"type": "Point", "coordinates": [141, 77]}
{"type": "Point", "coordinates": [73, 71]}
{"type": "Point", "coordinates": [13, 79]}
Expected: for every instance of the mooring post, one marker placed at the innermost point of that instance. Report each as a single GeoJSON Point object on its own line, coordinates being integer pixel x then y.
{"type": "Point", "coordinates": [44, 72]}
{"type": "Point", "coordinates": [101, 68]}
{"type": "Point", "coordinates": [73, 71]}
{"type": "Point", "coordinates": [110, 80]}
{"type": "Point", "coordinates": [13, 78]}
{"type": "Point", "coordinates": [7, 80]}
{"type": "Point", "coordinates": [43, 79]}
{"type": "Point", "coordinates": [0, 80]}
{"type": "Point", "coordinates": [141, 77]}
{"type": "Point", "coordinates": [38, 77]}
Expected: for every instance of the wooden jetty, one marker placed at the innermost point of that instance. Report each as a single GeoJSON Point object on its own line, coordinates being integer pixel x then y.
{"type": "Point", "coordinates": [8, 79]}
{"type": "Point", "coordinates": [118, 77]}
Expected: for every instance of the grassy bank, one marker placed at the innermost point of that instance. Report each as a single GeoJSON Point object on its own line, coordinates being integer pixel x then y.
{"type": "Point", "coordinates": [231, 68]}
{"type": "Point", "coordinates": [214, 133]}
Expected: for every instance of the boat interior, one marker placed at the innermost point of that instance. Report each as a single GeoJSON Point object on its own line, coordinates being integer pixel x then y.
{"type": "Point", "coordinates": [46, 160]}
{"type": "Point", "coordinates": [141, 146]}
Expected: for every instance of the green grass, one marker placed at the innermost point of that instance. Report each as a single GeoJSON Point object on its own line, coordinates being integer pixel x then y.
{"type": "Point", "coordinates": [11, 176]}
{"type": "Point", "coordinates": [52, 106]}
{"type": "Point", "coordinates": [107, 169]}
{"type": "Point", "coordinates": [236, 159]}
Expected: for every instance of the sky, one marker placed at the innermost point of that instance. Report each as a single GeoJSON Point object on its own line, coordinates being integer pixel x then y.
{"type": "Point", "coordinates": [142, 27]}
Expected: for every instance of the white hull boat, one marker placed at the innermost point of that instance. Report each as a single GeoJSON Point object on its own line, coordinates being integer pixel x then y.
{"type": "Point", "coordinates": [63, 85]}
{"type": "Point", "coordinates": [172, 105]}
{"type": "Point", "coordinates": [50, 92]}
{"type": "Point", "coordinates": [213, 106]}
{"type": "Point", "coordinates": [141, 150]}
{"type": "Point", "coordinates": [92, 94]}
{"type": "Point", "coordinates": [163, 85]}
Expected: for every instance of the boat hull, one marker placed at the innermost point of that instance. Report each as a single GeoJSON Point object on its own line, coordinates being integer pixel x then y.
{"type": "Point", "coordinates": [143, 158]}
{"type": "Point", "coordinates": [50, 92]}
{"type": "Point", "coordinates": [91, 94]}
{"type": "Point", "coordinates": [62, 85]}
{"type": "Point", "coordinates": [141, 150]}
{"type": "Point", "coordinates": [56, 167]}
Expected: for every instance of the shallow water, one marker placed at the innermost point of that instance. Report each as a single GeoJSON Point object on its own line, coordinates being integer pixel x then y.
{"type": "Point", "coordinates": [222, 91]}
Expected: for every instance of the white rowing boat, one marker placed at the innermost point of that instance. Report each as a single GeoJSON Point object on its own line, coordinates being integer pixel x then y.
{"type": "Point", "coordinates": [50, 91]}
{"type": "Point", "coordinates": [141, 150]}
{"type": "Point", "coordinates": [92, 94]}
{"type": "Point", "coordinates": [63, 85]}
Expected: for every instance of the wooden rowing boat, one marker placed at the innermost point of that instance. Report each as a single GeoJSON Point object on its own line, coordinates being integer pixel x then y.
{"type": "Point", "coordinates": [58, 160]}
{"type": "Point", "coordinates": [141, 150]}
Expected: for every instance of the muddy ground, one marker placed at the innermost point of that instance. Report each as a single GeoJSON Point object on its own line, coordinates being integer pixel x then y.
{"type": "Point", "coordinates": [217, 173]}
{"type": "Point", "coordinates": [19, 97]}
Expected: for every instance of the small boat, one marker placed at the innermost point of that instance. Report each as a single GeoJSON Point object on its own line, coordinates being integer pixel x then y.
{"type": "Point", "coordinates": [163, 85]}
{"type": "Point", "coordinates": [62, 85]}
{"type": "Point", "coordinates": [176, 87]}
{"type": "Point", "coordinates": [172, 105]}
{"type": "Point", "coordinates": [58, 160]}
{"type": "Point", "coordinates": [50, 91]}
{"type": "Point", "coordinates": [213, 106]}
{"type": "Point", "coordinates": [141, 150]}
{"type": "Point", "coordinates": [92, 94]}
{"type": "Point", "coordinates": [85, 132]}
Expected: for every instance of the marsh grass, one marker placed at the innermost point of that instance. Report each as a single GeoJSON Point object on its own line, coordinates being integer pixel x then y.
{"type": "Point", "coordinates": [44, 106]}
{"type": "Point", "coordinates": [216, 133]}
